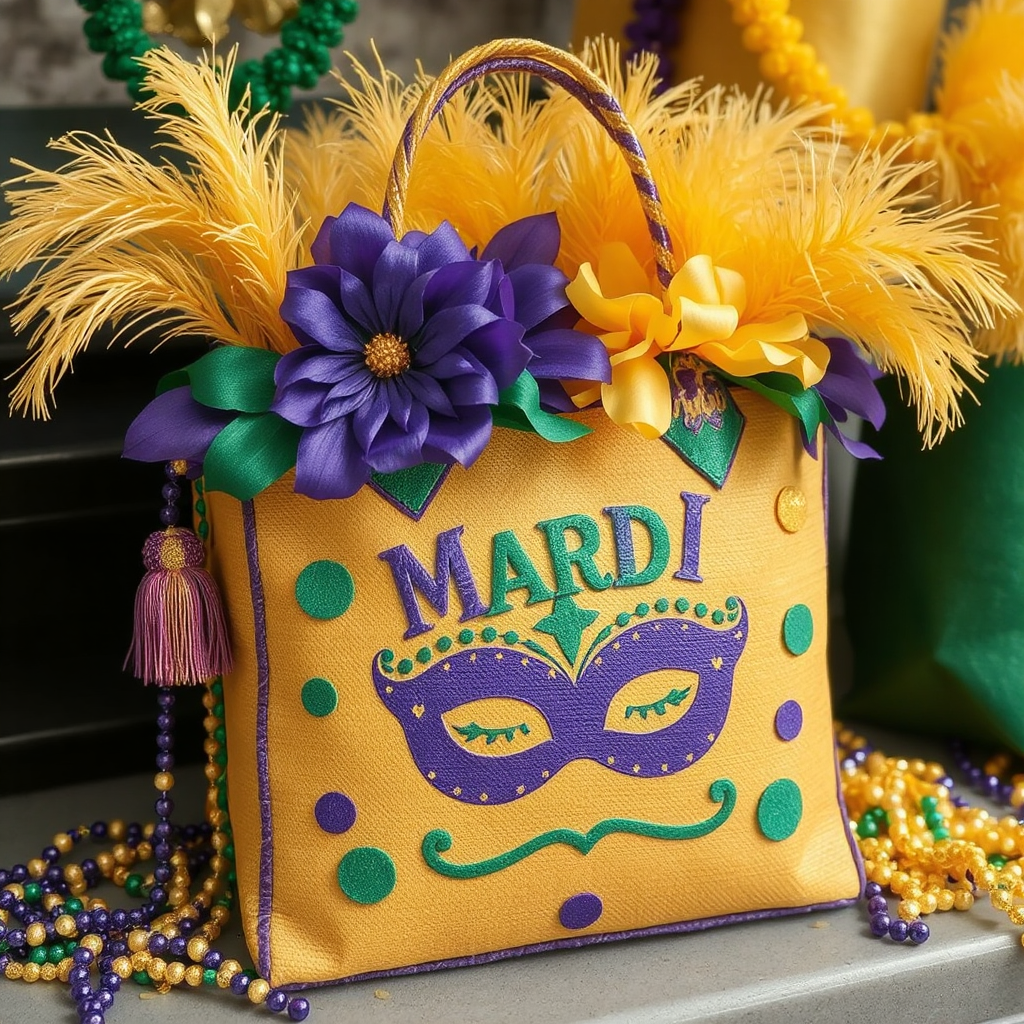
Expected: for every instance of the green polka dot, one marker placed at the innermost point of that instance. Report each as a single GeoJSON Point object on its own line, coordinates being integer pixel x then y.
{"type": "Point", "coordinates": [511, 637]}
{"type": "Point", "coordinates": [661, 605]}
{"type": "Point", "coordinates": [622, 619]}
{"type": "Point", "coordinates": [444, 644]}
{"type": "Point", "coordinates": [404, 667]}
{"type": "Point", "coordinates": [319, 697]}
{"type": "Point", "coordinates": [642, 609]}
{"type": "Point", "coordinates": [798, 629]}
{"type": "Point", "coordinates": [423, 655]}
{"type": "Point", "coordinates": [489, 634]}
{"type": "Point", "coordinates": [700, 610]}
{"type": "Point", "coordinates": [779, 810]}
{"type": "Point", "coordinates": [682, 604]}
{"type": "Point", "coordinates": [324, 589]}
{"type": "Point", "coordinates": [366, 874]}
{"type": "Point", "coordinates": [466, 636]}
{"type": "Point", "coordinates": [718, 616]}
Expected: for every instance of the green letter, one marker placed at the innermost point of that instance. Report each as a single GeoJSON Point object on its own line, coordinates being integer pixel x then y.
{"type": "Point", "coordinates": [562, 559]}
{"type": "Point", "coordinates": [509, 552]}
{"type": "Point", "coordinates": [622, 517]}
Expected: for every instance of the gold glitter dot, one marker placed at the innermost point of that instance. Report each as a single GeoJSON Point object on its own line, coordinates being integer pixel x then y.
{"type": "Point", "coordinates": [636, 768]}
{"type": "Point", "coordinates": [520, 790]}
{"type": "Point", "coordinates": [431, 775]}
{"type": "Point", "coordinates": [791, 509]}
{"type": "Point", "coordinates": [418, 709]}
{"type": "Point", "coordinates": [611, 760]}
{"type": "Point", "coordinates": [664, 767]}
{"type": "Point", "coordinates": [386, 355]}
{"type": "Point", "coordinates": [483, 798]}
{"type": "Point", "coordinates": [457, 791]}
{"type": "Point", "coordinates": [545, 774]}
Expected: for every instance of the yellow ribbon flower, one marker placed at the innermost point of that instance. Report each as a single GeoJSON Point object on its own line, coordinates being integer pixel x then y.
{"type": "Point", "coordinates": [701, 312]}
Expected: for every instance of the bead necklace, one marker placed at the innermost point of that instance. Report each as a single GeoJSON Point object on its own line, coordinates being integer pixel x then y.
{"type": "Point", "coordinates": [51, 930]}
{"type": "Point", "coordinates": [793, 67]}
{"type": "Point", "coordinates": [926, 846]}
{"type": "Point", "coordinates": [655, 29]}
{"type": "Point", "coordinates": [115, 29]}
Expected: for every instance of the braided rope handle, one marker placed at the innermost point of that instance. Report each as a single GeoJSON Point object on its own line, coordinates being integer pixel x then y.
{"type": "Point", "coordinates": [561, 69]}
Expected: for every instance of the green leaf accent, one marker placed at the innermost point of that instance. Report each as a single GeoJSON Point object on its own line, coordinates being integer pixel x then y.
{"type": "Point", "coordinates": [710, 451]}
{"type": "Point", "coordinates": [438, 841]}
{"type": "Point", "coordinates": [474, 732]}
{"type": "Point", "coordinates": [250, 453]}
{"type": "Point", "coordinates": [411, 489]}
{"type": "Point", "coordinates": [519, 408]}
{"type": "Point", "coordinates": [234, 378]}
{"type": "Point", "coordinates": [674, 697]}
{"type": "Point", "coordinates": [172, 380]}
{"type": "Point", "coordinates": [804, 404]}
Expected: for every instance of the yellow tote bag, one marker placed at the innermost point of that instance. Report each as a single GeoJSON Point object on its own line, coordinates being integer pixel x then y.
{"type": "Point", "coordinates": [586, 688]}
{"type": "Point", "coordinates": [580, 684]}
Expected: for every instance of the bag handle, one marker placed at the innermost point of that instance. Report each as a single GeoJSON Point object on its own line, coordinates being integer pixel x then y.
{"type": "Point", "coordinates": [559, 68]}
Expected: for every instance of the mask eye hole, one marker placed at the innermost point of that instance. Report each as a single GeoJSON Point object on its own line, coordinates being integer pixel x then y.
{"type": "Point", "coordinates": [496, 726]}
{"type": "Point", "coordinates": [651, 702]}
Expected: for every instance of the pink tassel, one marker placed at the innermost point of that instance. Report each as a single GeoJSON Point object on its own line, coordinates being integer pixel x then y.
{"type": "Point", "coordinates": [180, 636]}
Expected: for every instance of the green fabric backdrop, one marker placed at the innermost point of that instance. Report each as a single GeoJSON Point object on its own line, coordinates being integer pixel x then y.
{"type": "Point", "coordinates": [935, 573]}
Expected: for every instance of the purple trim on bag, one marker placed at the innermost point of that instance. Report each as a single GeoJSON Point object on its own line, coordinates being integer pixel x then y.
{"type": "Point", "coordinates": [259, 613]}
{"type": "Point", "coordinates": [577, 941]}
{"type": "Point", "coordinates": [854, 849]}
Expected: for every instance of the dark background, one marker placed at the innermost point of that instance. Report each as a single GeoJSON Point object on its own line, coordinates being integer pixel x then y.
{"type": "Point", "coordinates": [73, 517]}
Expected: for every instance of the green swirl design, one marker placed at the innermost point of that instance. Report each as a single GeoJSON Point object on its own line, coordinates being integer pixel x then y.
{"type": "Point", "coordinates": [438, 841]}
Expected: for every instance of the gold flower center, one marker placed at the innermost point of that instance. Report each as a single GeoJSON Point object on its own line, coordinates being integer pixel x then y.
{"type": "Point", "coordinates": [387, 355]}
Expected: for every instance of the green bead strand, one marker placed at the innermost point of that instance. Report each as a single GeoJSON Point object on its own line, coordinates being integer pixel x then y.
{"type": "Point", "coordinates": [114, 28]}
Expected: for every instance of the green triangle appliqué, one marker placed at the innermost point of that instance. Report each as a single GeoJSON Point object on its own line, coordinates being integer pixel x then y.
{"type": "Point", "coordinates": [706, 423]}
{"type": "Point", "coordinates": [411, 490]}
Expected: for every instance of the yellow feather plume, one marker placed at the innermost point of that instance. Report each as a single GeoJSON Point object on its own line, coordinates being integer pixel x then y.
{"type": "Point", "coordinates": [812, 228]}
{"type": "Point", "coordinates": [121, 240]}
{"type": "Point", "coordinates": [979, 140]}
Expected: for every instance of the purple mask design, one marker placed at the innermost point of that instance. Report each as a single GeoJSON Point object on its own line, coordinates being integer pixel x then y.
{"type": "Point", "coordinates": [575, 711]}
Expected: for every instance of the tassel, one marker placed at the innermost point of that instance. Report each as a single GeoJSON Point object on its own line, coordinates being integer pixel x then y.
{"type": "Point", "coordinates": [180, 636]}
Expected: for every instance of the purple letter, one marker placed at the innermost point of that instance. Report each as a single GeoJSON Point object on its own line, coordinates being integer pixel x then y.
{"type": "Point", "coordinates": [694, 505]}
{"type": "Point", "coordinates": [410, 576]}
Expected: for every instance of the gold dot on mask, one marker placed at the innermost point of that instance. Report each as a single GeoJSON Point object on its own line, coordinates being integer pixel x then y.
{"type": "Point", "coordinates": [791, 509]}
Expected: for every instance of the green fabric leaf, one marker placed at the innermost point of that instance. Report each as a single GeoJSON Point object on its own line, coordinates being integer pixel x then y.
{"type": "Point", "coordinates": [785, 391]}
{"type": "Point", "coordinates": [172, 380]}
{"type": "Point", "coordinates": [234, 378]}
{"type": "Point", "coordinates": [250, 453]}
{"type": "Point", "coordinates": [519, 408]}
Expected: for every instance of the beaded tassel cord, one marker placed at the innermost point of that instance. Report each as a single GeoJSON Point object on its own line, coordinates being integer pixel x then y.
{"type": "Point", "coordinates": [928, 847]}
{"type": "Point", "coordinates": [52, 930]}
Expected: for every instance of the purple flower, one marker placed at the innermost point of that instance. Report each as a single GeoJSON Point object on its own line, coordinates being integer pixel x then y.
{"type": "Point", "coordinates": [406, 344]}
{"type": "Point", "coordinates": [527, 249]}
{"type": "Point", "coordinates": [849, 387]}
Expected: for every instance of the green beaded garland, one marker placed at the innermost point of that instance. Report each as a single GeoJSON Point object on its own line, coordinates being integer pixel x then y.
{"type": "Point", "coordinates": [114, 28]}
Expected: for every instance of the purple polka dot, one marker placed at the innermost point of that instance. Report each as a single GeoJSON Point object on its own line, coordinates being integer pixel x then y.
{"type": "Point", "coordinates": [581, 910]}
{"type": "Point", "coordinates": [789, 720]}
{"type": "Point", "coordinates": [335, 813]}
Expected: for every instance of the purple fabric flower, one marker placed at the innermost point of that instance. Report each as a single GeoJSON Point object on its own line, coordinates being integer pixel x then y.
{"type": "Point", "coordinates": [527, 249]}
{"type": "Point", "coordinates": [405, 345]}
{"type": "Point", "coordinates": [849, 387]}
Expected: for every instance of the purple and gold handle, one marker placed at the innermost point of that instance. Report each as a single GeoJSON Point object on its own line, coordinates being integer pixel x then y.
{"type": "Point", "coordinates": [561, 69]}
